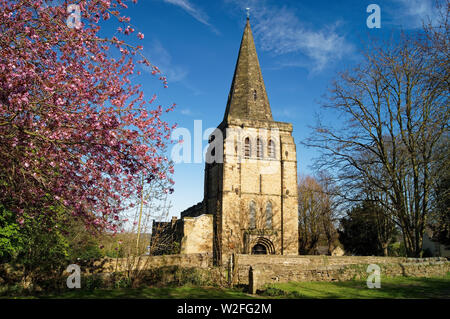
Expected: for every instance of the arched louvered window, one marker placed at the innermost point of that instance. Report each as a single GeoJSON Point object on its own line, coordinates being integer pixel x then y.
{"type": "Point", "coordinates": [269, 215]}
{"type": "Point", "coordinates": [271, 149]}
{"type": "Point", "coordinates": [247, 147]}
{"type": "Point", "coordinates": [252, 214]}
{"type": "Point", "coordinates": [255, 96]}
{"type": "Point", "coordinates": [259, 148]}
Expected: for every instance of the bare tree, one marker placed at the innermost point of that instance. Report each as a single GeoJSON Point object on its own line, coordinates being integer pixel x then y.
{"type": "Point", "coordinates": [309, 211]}
{"type": "Point", "coordinates": [385, 225]}
{"type": "Point", "coordinates": [395, 112]}
{"type": "Point", "coordinates": [330, 210]}
{"type": "Point", "coordinates": [316, 214]}
{"type": "Point", "coordinates": [151, 204]}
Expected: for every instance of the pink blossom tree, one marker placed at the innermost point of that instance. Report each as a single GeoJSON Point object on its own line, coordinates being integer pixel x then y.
{"type": "Point", "coordinates": [75, 131]}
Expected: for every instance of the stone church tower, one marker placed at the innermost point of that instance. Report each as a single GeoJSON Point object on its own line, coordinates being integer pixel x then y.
{"type": "Point", "coordinates": [252, 192]}
{"type": "Point", "coordinates": [250, 203]}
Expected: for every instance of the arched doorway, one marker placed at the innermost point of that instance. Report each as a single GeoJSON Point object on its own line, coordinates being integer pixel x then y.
{"type": "Point", "coordinates": [259, 249]}
{"type": "Point", "coordinates": [257, 245]}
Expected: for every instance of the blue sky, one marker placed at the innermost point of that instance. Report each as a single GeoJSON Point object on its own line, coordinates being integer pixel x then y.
{"type": "Point", "coordinates": [301, 46]}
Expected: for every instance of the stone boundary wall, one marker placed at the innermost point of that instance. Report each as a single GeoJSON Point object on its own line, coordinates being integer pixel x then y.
{"type": "Point", "coordinates": [314, 261]}
{"type": "Point", "coordinates": [275, 268]}
{"type": "Point", "coordinates": [108, 265]}
{"type": "Point", "coordinates": [243, 262]}
{"type": "Point", "coordinates": [267, 273]}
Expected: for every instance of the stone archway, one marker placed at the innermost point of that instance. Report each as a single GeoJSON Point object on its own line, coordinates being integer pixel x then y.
{"type": "Point", "coordinates": [262, 245]}
{"type": "Point", "coordinates": [259, 249]}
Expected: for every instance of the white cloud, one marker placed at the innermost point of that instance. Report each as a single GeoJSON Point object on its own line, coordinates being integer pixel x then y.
{"type": "Point", "coordinates": [186, 112]}
{"type": "Point", "coordinates": [196, 13]}
{"type": "Point", "coordinates": [285, 112]}
{"type": "Point", "coordinates": [279, 30]}
{"type": "Point", "coordinates": [161, 58]}
{"type": "Point", "coordinates": [413, 13]}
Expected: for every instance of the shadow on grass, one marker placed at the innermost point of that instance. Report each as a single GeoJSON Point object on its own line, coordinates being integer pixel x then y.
{"type": "Point", "coordinates": [397, 287]}
{"type": "Point", "coordinates": [184, 292]}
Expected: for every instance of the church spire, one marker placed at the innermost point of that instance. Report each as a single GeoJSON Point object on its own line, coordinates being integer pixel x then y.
{"type": "Point", "coordinates": [248, 98]}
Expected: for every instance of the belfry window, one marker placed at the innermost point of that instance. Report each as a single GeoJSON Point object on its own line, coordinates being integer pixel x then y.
{"type": "Point", "coordinates": [259, 148]}
{"type": "Point", "coordinates": [247, 147]}
{"type": "Point", "coordinates": [271, 149]}
{"type": "Point", "coordinates": [252, 214]}
{"type": "Point", "coordinates": [254, 95]}
{"type": "Point", "coordinates": [269, 215]}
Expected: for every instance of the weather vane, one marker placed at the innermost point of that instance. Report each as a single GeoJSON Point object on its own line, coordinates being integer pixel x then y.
{"type": "Point", "coordinates": [248, 12]}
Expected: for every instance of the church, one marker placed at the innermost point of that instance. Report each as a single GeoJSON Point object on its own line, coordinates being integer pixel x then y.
{"type": "Point", "coordinates": [250, 203]}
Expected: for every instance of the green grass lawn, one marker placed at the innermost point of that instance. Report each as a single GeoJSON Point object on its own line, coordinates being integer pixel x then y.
{"type": "Point", "coordinates": [397, 287]}
{"type": "Point", "coordinates": [183, 292]}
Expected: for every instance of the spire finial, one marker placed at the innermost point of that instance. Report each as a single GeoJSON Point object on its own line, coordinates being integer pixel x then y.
{"type": "Point", "coordinates": [248, 13]}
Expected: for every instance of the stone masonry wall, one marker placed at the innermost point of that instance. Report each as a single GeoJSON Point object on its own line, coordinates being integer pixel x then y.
{"type": "Point", "coordinates": [325, 268]}
{"type": "Point", "coordinates": [275, 268]}
{"type": "Point", "coordinates": [108, 265]}
{"type": "Point", "coordinates": [197, 234]}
